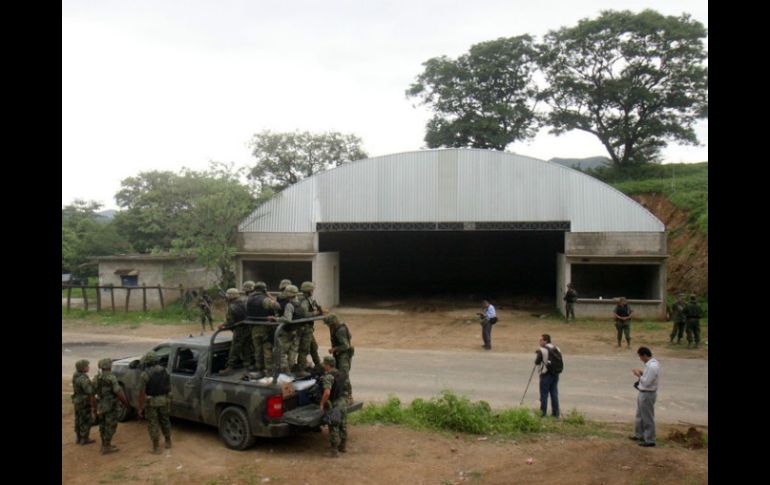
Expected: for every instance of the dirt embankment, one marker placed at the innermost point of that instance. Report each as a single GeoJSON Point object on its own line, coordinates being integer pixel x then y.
{"type": "Point", "coordinates": [688, 249]}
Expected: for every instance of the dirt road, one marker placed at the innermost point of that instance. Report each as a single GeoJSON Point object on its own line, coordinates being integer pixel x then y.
{"type": "Point", "coordinates": [446, 348]}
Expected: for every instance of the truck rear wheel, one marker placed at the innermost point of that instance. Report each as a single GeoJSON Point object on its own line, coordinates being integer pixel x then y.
{"type": "Point", "coordinates": [124, 412]}
{"type": "Point", "coordinates": [234, 428]}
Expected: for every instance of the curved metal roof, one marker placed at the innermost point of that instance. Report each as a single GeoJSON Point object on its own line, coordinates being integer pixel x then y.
{"type": "Point", "coordinates": [452, 185]}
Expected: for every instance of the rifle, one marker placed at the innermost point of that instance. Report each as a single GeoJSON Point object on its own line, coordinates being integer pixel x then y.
{"type": "Point", "coordinates": [221, 291]}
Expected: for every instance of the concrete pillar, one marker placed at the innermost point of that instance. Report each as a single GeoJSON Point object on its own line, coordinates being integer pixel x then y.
{"type": "Point", "coordinates": [326, 268]}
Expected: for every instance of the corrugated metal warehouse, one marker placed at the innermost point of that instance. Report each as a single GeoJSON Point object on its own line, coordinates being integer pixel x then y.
{"type": "Point", "coordinates": [459, 221]}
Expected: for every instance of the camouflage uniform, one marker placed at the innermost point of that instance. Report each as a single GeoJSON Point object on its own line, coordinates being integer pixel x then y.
{"type": "Point", "coordinates": [83, 393]}
{"type": "Point", "coordinates": [693, 314]}
{"type": "Point", "coordinates": [623, 326]}
{"type": "Point", "coordinates": [292, 310]}
{"type": "Point", "coordinates": [107, 388]}
{"type": "Point", "coordinates": [679, 318]}
{"type": "Point", "coordinates": [261, 306]}
{"type": "Point", "coordinates": [157, 405]}
{"type": "Point", "coordinates": [342, 349]}
{"type": "Point", "coordinates": [204, 303]}
{"type": "Point", "coordinates": [338, 433]}
{"type": "Point", "coordinates": [239, 346]}
{"type": "Point", "coordinates": [307, 341]}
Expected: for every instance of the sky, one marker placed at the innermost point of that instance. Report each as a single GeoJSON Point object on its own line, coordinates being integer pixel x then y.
{"type": "Point", "coordinates": [161, 85]}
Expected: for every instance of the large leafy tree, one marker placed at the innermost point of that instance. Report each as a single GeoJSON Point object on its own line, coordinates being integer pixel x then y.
{"type": "Point", "coordinates": [284, 159]}
{"type": "Point", "coordinates": [633, 80]}
{"type": "Point", "coordinates": [189, 213]}
{"type": "Point", "coordinates": [85, 233]}
{"type": "Point", "coordinates": [483, 99]}
{"type": "Point", "coordinates": [210, 224]}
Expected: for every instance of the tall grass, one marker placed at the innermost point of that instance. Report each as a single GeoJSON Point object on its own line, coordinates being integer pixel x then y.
{"type": "Point", "coordinates": [450, 412]}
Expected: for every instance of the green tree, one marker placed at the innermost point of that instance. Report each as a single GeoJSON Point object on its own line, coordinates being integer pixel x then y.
{"type": "Point", "coordinates": [189, 213]}
{"type": "Point", "coordinates": [284, 159]}
{"type": "Point", "coordinates": [632, 80]}
{"type": "Point", "coordinates": [210, 224]}
{"type": "Point", "coordinates": [84, 234]}
{"type": "Point", "coordinates": [484, 99]}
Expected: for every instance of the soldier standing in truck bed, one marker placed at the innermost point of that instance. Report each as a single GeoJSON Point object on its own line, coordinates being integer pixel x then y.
{"type": "Point", "coordinates": [239, 349]}
{"type": "Point", "coordinates": [307, 341]}
{"type": "Point", "coordinates": [261, 307]}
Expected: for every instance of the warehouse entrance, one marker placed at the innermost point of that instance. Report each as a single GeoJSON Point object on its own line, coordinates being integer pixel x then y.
{"type": "Point", "coordinates": [457, 265]}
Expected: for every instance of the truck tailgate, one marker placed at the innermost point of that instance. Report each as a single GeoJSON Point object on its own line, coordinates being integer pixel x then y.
{"type": "Point", "coordinates": [310, 415]}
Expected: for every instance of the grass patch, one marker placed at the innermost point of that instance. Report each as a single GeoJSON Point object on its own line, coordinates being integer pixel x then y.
{"type": "Point", "coordinates": [453, 413]}
{"type": "Point", "coordinates": [174, 314]}
{"type": "Point", "coordinates": [684, 184]}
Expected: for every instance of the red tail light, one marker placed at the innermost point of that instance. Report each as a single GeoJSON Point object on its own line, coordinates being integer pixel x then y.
{"type": "Point", "coordinates": [275, 406]}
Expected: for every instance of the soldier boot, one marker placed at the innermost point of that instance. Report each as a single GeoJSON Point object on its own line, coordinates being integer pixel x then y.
{"type": "Point", "coordinates": [79, 440]}
{"type": "Point", "coordinates": [333, 452]}
{"type": "Point", "coordinates": [108, 448]}
{"type": "Point", "coordinates": [156, 447]}
{"type": "Point", "coordinates": [85, 440]}
{"type": "Point", "coordinates": [342, 447]}
{"type": "Point", "coordinates": [168, 442]}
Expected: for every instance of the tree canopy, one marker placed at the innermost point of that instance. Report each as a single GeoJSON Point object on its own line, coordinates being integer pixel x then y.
{"type": "Point", "coordinates": [284, 159]}
{"type": "Point", "coordinates": [483, 99]}
{"type": "Point", "coordinates": [190, 213]}
{"type": "Point", "coordinates": [84, 233]}
{"type": "Point", "coordinates": [633, 80]}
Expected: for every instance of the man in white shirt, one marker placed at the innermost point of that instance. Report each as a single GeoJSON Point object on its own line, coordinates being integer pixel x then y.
{"type": "Point", "coordinates": [488, 318]}
{"type": "Point", "coordinates": [644, 430]}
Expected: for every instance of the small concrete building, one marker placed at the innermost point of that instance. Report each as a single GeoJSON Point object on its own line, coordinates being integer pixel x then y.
{"type": "Point", "coordinates": [135, 270]}
{"type": "Point", "coordinates": [459, 221]}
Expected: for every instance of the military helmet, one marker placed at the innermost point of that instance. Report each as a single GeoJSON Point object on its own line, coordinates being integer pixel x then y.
{"type": "Point", "coordinates": [260, 285]}
{"type": "Point", "coordinates": [232, 293]}
{"type": "Point", "coordinates": [331, 319]}
{"type": "Point", "coordinates": [81, 365]}
{"type": "Point", "coordinates": [247, 286]}
{"type": "Point", "coordinates": [291, 290]}
{"type": "Point", "coordinates": [307, 286]}
{"type": "Point", "coordinates": [150, 358]}
{"type": "Point", "coordinates": [105, 363]}
{"type": "Point", "coordinates": [284, 284]}
{"type": "Point", "coordinates": [329, 360]}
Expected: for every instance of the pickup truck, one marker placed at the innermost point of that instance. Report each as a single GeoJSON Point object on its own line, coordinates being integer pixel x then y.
{"type": "Point", "coordinates": [242, 409]}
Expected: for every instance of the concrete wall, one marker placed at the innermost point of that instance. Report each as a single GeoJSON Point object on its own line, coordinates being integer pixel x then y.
{"type": "Point", "coordinates": [277, 242]}
{"type": "Point", "coordinates": [562, 275]}
{"type": "Point", "coordinates": [615, 243]}
{"type": "Point", "coordinates": [643, 309]}
{"type": "Point", "coordinates": [326, 276]}
{"type": "Point", "coordinates": [166, 273]}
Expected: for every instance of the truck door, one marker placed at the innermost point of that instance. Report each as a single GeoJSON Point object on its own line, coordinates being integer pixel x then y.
{"type": "Point", "coordinates": [186, 377]}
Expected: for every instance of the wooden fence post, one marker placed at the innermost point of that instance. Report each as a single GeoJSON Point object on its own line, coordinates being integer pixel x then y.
{"type": "Point", "coordinates": [85, 297]}
{"type": "Point", "coordinates": [144, 297]}
{"type": "Point", "coordinates": [181, 292]}
{"type": "Point", "coordinates": [98, 299]}
{"type": "Point", "coordinates": [128, 296]}
{"type": "Point", "coordinates": [160, 296]}
{"type": "Point", "coordinates": [69, 297]}
{"type": "Point", "coordinates": [112, 296]}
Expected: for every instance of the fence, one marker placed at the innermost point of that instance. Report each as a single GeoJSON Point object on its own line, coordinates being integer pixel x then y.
{"type": "Point", "coordinates": [128, 289]}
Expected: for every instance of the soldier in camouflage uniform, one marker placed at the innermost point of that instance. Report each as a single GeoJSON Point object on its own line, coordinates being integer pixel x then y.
{"type": "Point", "coordinates": [204, 304]}
{"type": "Point", "coordinates": [108, 394]}
{"type": "Point", "coordinates": [341, 349]}
{"type": "Point", "coordinates": [247, 289]}
{"type": "Point", "coordinates": [236, 312]}
{"type": "Point", "coordinates": [679, 318]}
{"type": "Point", "coordinates": [693, 313]}
{"type": "Point", "coordinates": [84, 401]}
{"type": "Point", "coordinates": [261, 306]}
{"type": "Point", "coordinates": [334, 397]}
{"type": "Point", "coordinates": [155, 400]}
{"type": "Point", "coordinates": [307, 341]}
{"type": "Point", "coordinates": [287, 339]}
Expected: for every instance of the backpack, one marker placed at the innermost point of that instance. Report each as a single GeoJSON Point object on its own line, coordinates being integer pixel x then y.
{"type": "Point", "coordinates": [555, 364]}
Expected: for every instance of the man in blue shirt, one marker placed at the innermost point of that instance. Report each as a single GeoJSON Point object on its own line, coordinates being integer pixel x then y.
{"type": "Point", "coordinates": [488, 318]}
